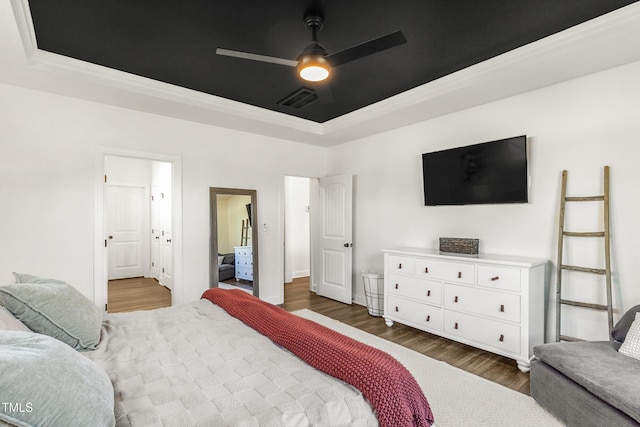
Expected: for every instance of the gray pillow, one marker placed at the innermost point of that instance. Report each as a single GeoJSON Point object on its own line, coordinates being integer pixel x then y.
{"type": "Point", "coordinates": [229, 258]}
{"type": "Point", "coordinates": [619, 331]}
{"type": "Point", "coordinates": [46, 383]}
{"type": "Point", "coordinates": [30, 278]}
{"type": "Point", "coordinates": [56, 309]}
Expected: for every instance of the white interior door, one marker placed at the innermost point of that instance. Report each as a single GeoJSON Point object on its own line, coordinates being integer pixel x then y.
{"type": "Point", "coordinates": [336, 238]}
{"type": "Point", "coordinates": [126, 226]}
{"type": "Point", "coordinates": [166, 241]}
{"type": "Point", "coordinates": [156, 232]}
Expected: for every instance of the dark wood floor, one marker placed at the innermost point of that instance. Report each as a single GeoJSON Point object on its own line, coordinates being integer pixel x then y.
{"type": "Point", "coordinates": [484, 364]}
{"type": "Point", "coordinates": [145, 294]}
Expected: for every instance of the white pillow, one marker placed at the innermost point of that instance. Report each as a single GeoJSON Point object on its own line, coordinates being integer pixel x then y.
{"type": "Point", "coordinates": [220, 258]}
{"type": "Point", "coordinates": [631, 345]}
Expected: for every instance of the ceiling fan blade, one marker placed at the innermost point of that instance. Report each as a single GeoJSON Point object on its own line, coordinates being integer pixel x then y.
{"type": "Point", "coordinates": [256, 57]}
{"type": "Point", "coordinates": [367, 48]}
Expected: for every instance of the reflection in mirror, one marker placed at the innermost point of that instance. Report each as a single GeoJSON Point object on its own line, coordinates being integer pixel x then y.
{"type": "Point", "coordinates": [234, 242]}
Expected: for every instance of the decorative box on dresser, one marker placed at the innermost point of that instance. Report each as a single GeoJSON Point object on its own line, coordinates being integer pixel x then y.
{"type": "Point", "coordinates": [491, 302]}
{"type": "Point", "coordinates": [244, 262]}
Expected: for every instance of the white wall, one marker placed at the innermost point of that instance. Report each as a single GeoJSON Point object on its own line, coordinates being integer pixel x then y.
{"type": "Point", "coordinates": [580, 125]}
{"type": "Point", "coordinates": [47, 190]}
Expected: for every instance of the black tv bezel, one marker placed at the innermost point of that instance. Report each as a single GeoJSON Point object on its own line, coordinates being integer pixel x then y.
{"type": "Point", "coordinates": [524, 200]}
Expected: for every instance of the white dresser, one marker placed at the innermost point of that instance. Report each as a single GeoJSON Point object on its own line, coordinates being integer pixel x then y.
{"type": "Point", "coordinates": [244, 262]}
{"type": "Point", "coordinates": [492, 302]}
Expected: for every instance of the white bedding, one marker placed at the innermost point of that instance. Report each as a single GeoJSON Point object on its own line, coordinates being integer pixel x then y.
{"type": "Point", "coordinates": [194, 365]}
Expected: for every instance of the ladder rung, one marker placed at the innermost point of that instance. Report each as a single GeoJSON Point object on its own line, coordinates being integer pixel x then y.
{"type": "Point", "coordinates": [584, 304]}
{"type": "Point", "coordinates": [584, 233]}
{"type": "Point", "coordinates": [584, 269]}
{"type": "Point", "coordinates": [584, 199]}
{"type": "Point", "coordinates": [568, 338]}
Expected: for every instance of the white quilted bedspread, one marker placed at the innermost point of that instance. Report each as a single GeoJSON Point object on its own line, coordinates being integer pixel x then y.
{"type": "Point", "coordinates": [194, 365]}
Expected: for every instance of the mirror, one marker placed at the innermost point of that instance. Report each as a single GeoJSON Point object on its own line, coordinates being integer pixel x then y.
{"type": "Point", "coordinates": [233, 260]}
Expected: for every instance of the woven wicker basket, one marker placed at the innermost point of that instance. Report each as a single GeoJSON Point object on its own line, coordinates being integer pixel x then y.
{"type": "Point", "coordinates": [459, 246]}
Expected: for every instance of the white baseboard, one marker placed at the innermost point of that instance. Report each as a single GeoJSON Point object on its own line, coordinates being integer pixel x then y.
{"type": "Point", "coordinates": [302, 273]}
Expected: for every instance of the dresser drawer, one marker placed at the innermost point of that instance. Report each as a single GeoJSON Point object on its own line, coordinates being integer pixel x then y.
{"type": "Point", "coordinates": [499, 305]}
{"type": "Point", "coordinates": [502, 336]}
{"type": "Point", "coordinates": [244, 261]}
{"type": "Point", "coordinates": [447, 271]}
{"type": "Point", "coordinates": [423, 316]}
{"type": "Point", "coordinates": [244, 251]}
{"type": "Point", "coordinates": [411, 287]}
{"type": "Point", "coordinates": [244, 273]}
{"type": "Point", "coordinates": [503, 278]}
{"type": "Point", "coordinates": [400, 264]}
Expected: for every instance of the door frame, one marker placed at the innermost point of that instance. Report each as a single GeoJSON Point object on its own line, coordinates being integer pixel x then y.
{"type": "Point", "coordinates": [315, 237]}
{"type": "Point", "coordinates": [100, 281]}
{"type": "Point", "coordinates": [213, 241]}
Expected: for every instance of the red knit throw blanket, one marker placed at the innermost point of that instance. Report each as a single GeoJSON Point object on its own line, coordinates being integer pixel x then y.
{"type": "Point", "coordinates": [390, 388]}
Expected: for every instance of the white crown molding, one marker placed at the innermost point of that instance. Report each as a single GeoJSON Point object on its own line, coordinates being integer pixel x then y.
{"type": "Point", "coordinates": [593, 46]}
{"type": "Point", "coordinates": [119, 79]}
{"type": "Point", "coordinates": [22, 14]}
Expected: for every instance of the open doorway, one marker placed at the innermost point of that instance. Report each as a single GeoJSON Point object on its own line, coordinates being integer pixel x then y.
{"type": "Point", "coordinates": [137, 230]}
{"type": "Point", "coordinates": [297, 229]}
{"type": "Point", "coordinates": [330, 233]}
{"type": "Point", "coordinates": [234, 239]}
{"type": "Point", "coordinates": [138, 211]}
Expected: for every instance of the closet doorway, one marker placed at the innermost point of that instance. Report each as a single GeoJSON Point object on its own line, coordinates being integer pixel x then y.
{"type": "Point", "coordinates": [234, 257]}
{"type": "Point", "coordinates": [138, 215]}
{"type": "Point", "coordinates": [297, 228]}
{"type": "Point", "coordinates": [139, 226]}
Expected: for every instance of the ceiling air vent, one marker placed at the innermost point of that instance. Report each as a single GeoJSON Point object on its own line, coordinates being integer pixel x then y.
{"type": "Point", "coordinates": [299, 98]}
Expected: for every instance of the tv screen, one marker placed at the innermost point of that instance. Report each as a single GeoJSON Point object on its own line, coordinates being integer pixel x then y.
{"type": "Point", "coordinates": [491, 172]}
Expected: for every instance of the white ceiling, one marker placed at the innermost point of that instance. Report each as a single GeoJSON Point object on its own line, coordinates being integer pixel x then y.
{"type": "Point", "coordinates": [597, 45]}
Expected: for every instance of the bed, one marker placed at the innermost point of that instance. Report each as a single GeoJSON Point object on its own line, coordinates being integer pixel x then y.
{"type": "Point", "coordinates": [228, 359]}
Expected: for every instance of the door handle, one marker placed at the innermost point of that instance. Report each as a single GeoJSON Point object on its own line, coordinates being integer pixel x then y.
{"type": "Point", "coordinates": [348, 245]}
{"type": "Point", "coordinates": [110, 237]}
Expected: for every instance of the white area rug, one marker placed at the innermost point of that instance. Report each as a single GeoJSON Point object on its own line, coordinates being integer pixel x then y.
{"type": "Point", "coordinates": [227, 286]}
{"type": "Point", "coordinates": [457, 398]}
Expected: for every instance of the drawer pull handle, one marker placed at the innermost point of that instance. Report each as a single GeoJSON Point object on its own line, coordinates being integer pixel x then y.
{"type": "Point", "coordinates": [494, 278]}
{"type": "Point", "coordinates": [397, 308]}
{"type": "Point", "coordinates": [428, 318]}
{"type": "Point", "coordinates": [396, 286]}
{"type": "Point", "coordinates": [459, 274]}
{"type": "Point", "coordinates": [429, 293]}
{"type": "Point", "coordinates": [455, 299]}
{"type": "Point", "coordinates": [426, 269]}
{"type": "Point", "coordinates": [501, 308]}
{"type": "Point", "coordinates": [501, 338]}
{"type": "Point", "coordinates": [400, 266]}
{"type": "Point", "coordinates": [455, 326]}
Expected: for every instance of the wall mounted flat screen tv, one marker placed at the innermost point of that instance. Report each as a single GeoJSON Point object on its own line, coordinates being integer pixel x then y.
{"type": "Point", "coordinates": [488, 173]}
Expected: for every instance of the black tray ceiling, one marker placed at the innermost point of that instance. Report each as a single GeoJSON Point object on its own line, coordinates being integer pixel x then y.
{"type": "Point", "coordinates": [175, 42]}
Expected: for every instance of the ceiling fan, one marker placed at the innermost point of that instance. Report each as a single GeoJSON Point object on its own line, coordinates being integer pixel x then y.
{"type": "Point", "coordinates": [315, 64]}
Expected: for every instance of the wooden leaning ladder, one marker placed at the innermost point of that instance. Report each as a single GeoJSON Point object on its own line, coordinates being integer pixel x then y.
{"type": "Point", "coordinates": [244, 236]}
{"type": "Point", "coordinates": [607, 253]}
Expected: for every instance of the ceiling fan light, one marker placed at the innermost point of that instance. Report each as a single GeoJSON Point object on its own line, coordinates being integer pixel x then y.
{"type": "Point", "coordinates": [313, 68]}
